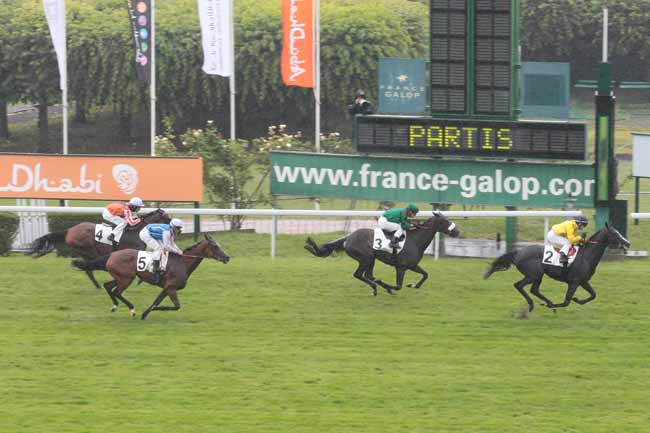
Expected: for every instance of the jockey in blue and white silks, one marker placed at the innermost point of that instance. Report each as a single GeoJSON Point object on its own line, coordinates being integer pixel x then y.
{"type": "Point", "coordinates": [161, 237]}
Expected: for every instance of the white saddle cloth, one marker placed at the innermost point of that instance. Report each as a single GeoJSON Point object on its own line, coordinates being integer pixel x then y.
{"type": "Point", "coordinates": [144, 263]}
{"type": "Point", "coordinates": [381, 243]}
{"type": "Point", "coordinates": [552, 255]}
{"type": "Point", "coordinates": [101, 234]}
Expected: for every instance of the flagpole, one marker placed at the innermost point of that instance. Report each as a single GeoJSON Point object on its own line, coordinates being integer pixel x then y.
{"type": "Point", "coordinates": [64, 79]}
{"type": "Point", "coordinates": [317, 71]}
{"type": "Point", "coordinates": [233, 134]}
{"type": "Point", "coordinates": [152, 83]}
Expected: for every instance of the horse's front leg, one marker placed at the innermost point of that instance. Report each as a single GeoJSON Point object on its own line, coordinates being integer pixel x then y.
{"type": "Point", "coordinates": [419, 270]}
{"type": "Point", "coordinates": [571, 290]}
{"type": "Point", "coordinates": [155, 304]}
{"type": "Point", "coordinates": [93, 279]}
{"type": "Point", "coordinates": [590, 290]}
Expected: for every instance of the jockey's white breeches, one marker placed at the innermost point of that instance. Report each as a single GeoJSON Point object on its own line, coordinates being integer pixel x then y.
{"type": "Point", "coordinates": [154, 244]}
{"type": "Point", "coordinates": [558, 240]}
{"type": "Point", "coordinates": [384, 224]}
{"type": "Point", "coordinates": [120, 223]}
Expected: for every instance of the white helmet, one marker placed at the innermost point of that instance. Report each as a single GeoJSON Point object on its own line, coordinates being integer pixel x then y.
{"type": "Point", "coordinates": [136, 201]}
{"type": "Point", "coordinates": [176, 223]}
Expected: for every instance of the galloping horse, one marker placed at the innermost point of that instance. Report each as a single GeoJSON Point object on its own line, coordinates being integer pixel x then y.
{"type": "Point", "coordinates": [81, 238]}
{"type": "Point", "coordinates": [528, 261]}
{"type": "Point", "coordinates": [358, 245]}
{"type": "Point", "coordinates": [122, 267]}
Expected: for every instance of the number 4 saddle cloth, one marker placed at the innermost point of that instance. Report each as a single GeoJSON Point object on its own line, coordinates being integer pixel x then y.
{"type": "Point", "coordinates": [552, 255]}
{"type": "Point", "coordinates": [381, 243]}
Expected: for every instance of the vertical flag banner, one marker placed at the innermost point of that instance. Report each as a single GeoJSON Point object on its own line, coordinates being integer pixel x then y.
{"type": "Point", "coordinates": [56, 22]}
{"type": "Point", "coordinates": [298, 43]}
{"type": "Point", "coordinates": [215, 19]}
{"type": "Point", "coordinates": [140, 16]}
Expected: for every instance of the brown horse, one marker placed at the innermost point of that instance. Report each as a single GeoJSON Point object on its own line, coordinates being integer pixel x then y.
{"type": "Point", "coordinates": [81, 238]}
{"type": "Point", "coordinates": [122, 267]}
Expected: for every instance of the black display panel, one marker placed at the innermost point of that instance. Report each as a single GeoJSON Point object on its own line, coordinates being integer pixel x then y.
{"type": "Point", "coordinates": [447, 137]}
{"type": "Point", "coordinates": [448, 56]}
{"type": "Point", "coordinates": [492, 56]}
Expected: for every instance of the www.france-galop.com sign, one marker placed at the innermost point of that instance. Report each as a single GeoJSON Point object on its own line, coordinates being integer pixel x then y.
{"type": "Point", "coordinates": [530, 184]}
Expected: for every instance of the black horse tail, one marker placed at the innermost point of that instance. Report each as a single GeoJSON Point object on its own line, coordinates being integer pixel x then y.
{"type": "Point", "coordinates": [500, 264]}
{"type": "Point", "coordinates": [46, 244]}
{"type": "Point", "coordinates": [96, 264]}
{"type": "Point", "coordinates": [325, 249]}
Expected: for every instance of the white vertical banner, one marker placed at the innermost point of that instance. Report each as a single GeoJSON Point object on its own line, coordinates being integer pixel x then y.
{"type": "Point", "coordinates": [55, 14]}
{"type": "Point", "coordinates": [216, 22]}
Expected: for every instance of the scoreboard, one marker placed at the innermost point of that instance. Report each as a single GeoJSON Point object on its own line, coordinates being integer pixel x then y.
{"type": "Point", "coordinates": [472, 57]}
{"type": "Point", "coordinates": [452, 137]}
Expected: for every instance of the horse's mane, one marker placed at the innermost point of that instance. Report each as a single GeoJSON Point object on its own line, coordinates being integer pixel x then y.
{"type": "Point", "coordinates": [432, 220]}
{"type": "Point", "coordinates": [597, 233]}
{"type": "Point", "coordinates": [193, 246]}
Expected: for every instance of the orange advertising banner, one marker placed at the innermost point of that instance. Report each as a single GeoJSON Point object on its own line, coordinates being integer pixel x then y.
{"type": "Point", "coordinates": [298, 43]}
{"type": "Point", "coordinates": [101, 177]}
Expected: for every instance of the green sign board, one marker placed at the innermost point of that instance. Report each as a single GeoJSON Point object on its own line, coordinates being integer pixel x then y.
{"type": "Point", "coordinates": [545, 90]}
{"type": "Point", "coordinates": [550, 185]}
{"type": "Point", "coordinates": [402, 86]}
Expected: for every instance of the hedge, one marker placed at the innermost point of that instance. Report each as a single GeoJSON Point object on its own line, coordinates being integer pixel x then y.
{"type": "Point", "coordinates": [62, 222]}
{"type": "Point", "coordinates": [8, 228]}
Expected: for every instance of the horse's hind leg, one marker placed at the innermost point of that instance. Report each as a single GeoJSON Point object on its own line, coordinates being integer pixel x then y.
{"type": "Point", "coordinates": [109, 286]}
{"type": "Point", "coordinates": [519, 285]}
{"type": "Point", "coordinates": [92, 278]}
{"type": "Point", "coordinates": [535, 291]}
{"type": "Point", "coordinates": [360, 274]}
{"type": "Point", "coordinates": [591, 297]}
{"type": "Point", "coordinates": [117, 292]}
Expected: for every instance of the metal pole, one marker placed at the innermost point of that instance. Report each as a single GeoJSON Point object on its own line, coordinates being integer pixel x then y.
{"type": "Point", "coordinates": [197, 221]}
{"type": "Point", "coordinates": [546, 231]}
{"type": "Point", "coordinates": [636, 199]}
{"type": "Point", "coordinates": [233, 91]}
{"type": "Point", "coordinates": [64, 72]}
{"type": "Point", "coordinates": [274, 227]}
{"type": "Point", "coordinates": [605, 33]}
{"type": "Point", "coordinates": [152, 84]}
{"type": "Point", "coordinates": [436, 246]}
{"type": "Point", "coordinates": [317, 71]}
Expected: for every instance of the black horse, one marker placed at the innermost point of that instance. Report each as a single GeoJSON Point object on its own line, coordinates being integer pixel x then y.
{"type": "Point", "coordinates": [529, 262]}
{"type": "Point", "coordinates": [358, 245]}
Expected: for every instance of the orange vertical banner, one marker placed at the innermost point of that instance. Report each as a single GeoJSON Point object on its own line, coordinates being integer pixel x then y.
{"type": "Point", "coordinates": [298, 43]}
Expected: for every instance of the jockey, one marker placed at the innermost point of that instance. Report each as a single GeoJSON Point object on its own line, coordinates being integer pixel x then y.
{"type": "Point", "coordinates": [160, 237]}
{"type": "Point", "coordinates": [396, 220]}
{"type": "Point", "coordinates": [122, 214]}
{"type": "Point", "coordinates": [565, 234]}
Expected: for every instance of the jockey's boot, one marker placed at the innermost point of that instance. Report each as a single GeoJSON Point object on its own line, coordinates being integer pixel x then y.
{"type": "Point", "coordinates": [115, 245]}
{"type": "Point", "coordinates": [564, 259]}
{"type": "Point", "coordinates": [156, 271]}
{"type": "Point", "coordinates": [394, 242]}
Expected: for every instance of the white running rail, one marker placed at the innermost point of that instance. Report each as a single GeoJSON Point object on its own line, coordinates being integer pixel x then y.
{"type": "Point", "coordinates": [276, 213]}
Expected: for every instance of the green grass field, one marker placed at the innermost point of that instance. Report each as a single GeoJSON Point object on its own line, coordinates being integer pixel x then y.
{"type": "Point", "coordinates": [295, 344]}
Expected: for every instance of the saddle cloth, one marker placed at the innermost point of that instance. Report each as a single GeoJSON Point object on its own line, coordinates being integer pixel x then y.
{"type": "Point", "coordinates": [101, 234]}
{"type": "Point", "coordinates": [144, 262]}
{"type": "Point", "coordinates": [381, 243]}
{"type": "Point", "coordinates": [552, 255]}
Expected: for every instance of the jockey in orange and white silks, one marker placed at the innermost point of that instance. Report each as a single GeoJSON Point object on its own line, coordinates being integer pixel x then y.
{"type": "Point", "coordinates": [122, 214]}
{"type": "Point", "coordinates": [564, 235]}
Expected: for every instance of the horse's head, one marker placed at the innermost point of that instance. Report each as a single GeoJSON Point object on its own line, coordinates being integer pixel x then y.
{"type": "Point", "coordinates": [213, 250]}
{"type": "Point", "coordinates": [614, 238]}
{"type": "Point", "coordinates": [440, 223]}
{"type": "Point", "coordinates": [157, 216]}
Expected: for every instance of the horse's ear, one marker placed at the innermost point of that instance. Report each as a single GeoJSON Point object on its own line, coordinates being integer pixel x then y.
{"type": "Point", "coordinates": [437, 213]}
{"type": "Point", "coordinates": [208, 237]}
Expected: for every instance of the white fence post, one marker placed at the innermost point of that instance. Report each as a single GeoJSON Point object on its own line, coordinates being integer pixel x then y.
{"type": "Point", "coordinates": [274, 234]}
{"type": "Point", "coordinates": [436, 246]}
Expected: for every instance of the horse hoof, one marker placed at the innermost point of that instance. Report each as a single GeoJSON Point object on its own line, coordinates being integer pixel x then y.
{"type": "Point", "coordinates": [411, 285]}
{"type": "Point", "coordinates": [374, 291]}
{"type": "Point", "coordinates": [132, 311]}
{"type": "Point", "coordinates": [113, 308]}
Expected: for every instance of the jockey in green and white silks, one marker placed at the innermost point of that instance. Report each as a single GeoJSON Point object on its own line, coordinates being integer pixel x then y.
{"type": "Point", "coordinates": [396, 220]}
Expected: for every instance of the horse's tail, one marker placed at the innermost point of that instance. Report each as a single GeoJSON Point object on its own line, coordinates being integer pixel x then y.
{"type": "Point", "coordinates": [500, 264]}
{"type": "Point", "coordinates": [45, 244]}
{"type": "Point", "coordinates": [325, 249]}
{"type": "Point", "coordinates": [96, 264]}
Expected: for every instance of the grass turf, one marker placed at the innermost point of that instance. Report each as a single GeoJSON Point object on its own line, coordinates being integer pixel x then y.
{"type": "Point", "coordinates": [295, 344]}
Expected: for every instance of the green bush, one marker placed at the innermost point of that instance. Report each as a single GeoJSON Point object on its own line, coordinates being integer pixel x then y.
{"type": "Point", "coordinates": [8, 228]}
{"type": "Point", "coordinates": [62, 222]}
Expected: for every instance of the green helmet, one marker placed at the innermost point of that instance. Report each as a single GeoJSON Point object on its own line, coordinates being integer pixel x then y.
{"type": "Point", "coordinates": [412, 208]}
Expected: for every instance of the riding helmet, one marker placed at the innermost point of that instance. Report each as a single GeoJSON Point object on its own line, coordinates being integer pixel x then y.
{"type": "Point", "coordinates": [412, 208]}
{"type": "Point", "coordinates": [582, 220]}
{"type": "Point", "coordinates": [176, 222]}
{"type": "Point", "coordinates": [136, 201]}
{"type": "Point", "coordinates": [360, 92]}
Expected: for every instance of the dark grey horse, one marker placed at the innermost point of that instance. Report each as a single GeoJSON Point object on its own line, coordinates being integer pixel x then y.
{"type": "Point", "coordinates": [358, 245]}
{"type": "Point", "coordinates": [529, 262]}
